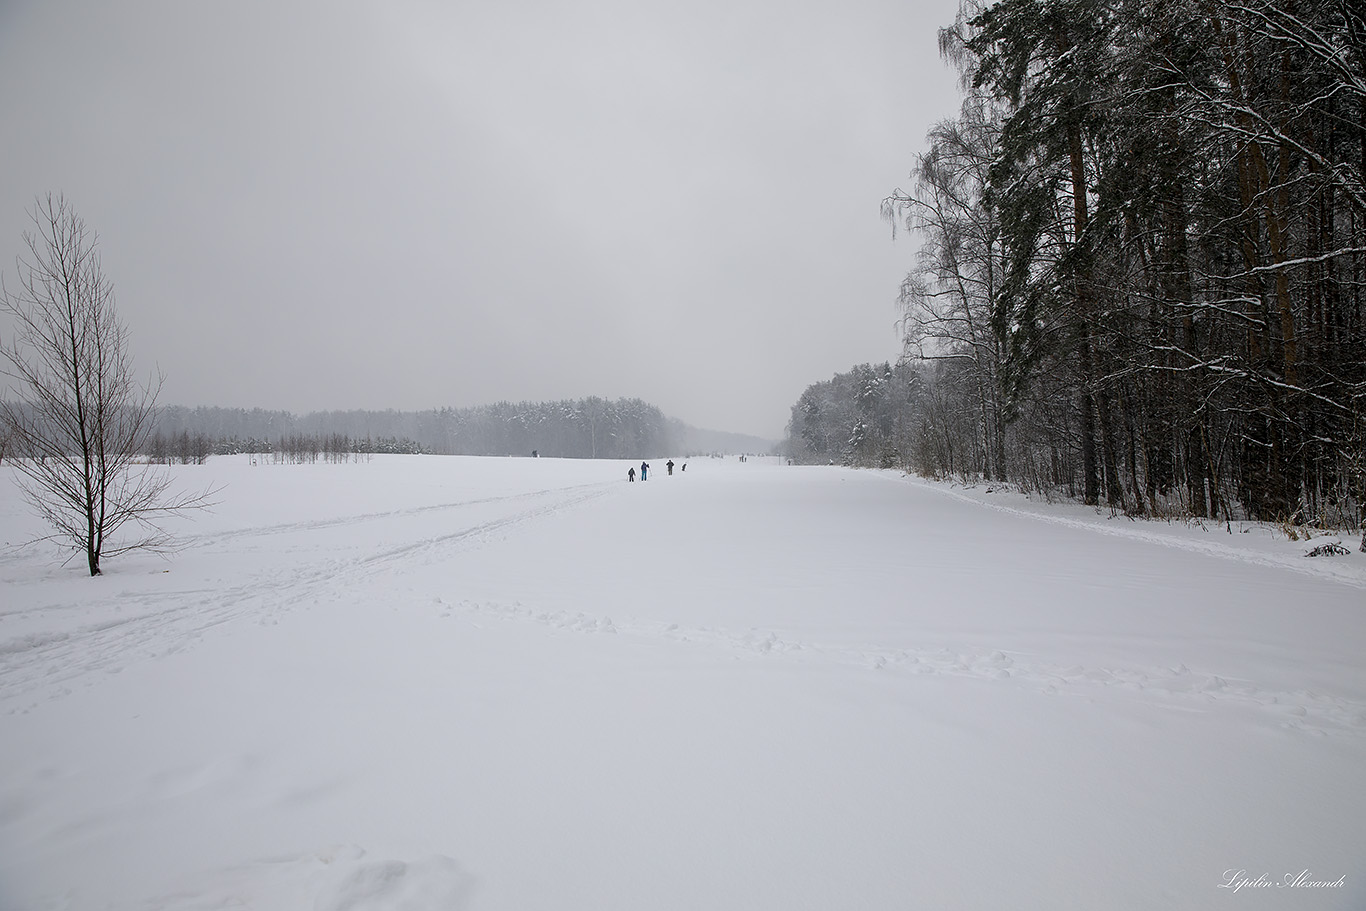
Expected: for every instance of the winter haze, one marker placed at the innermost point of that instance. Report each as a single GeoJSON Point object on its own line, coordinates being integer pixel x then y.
{"type": "Point", "coordinates": [408, 205]}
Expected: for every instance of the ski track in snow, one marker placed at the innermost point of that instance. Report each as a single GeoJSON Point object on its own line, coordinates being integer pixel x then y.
{"type": "Point", "coordinates": [1345, 573]}
{"type": "Point", "coordinates": [57, 660]}
{"type": "Point", "coordinates": [351, 520]}
{"type": "Point", "coordinates": [337, 878]}
{"type": "Point", "coordinates": [130, 625]}
{"type": "Point", "coordinates": [1177, 688]}
{"type": "Point", "coordinates": [40, 666]}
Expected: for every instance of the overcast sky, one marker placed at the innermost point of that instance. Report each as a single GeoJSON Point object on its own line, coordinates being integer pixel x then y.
{"type": "Point", "coordinates": [411, 204]}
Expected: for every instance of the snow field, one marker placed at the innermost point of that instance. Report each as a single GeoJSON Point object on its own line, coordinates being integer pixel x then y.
{"type": "Point", "coordinates": [450, 683]}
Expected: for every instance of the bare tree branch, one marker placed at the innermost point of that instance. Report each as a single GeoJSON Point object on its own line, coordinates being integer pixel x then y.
{"type": "Point", "coordinates": [76, 415]}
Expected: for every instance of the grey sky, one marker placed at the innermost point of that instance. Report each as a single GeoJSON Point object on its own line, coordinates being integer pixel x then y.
{"type": "Point", "coordinates": [411, 204]}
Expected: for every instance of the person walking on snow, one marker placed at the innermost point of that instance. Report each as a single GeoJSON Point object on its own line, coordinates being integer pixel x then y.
{"type": "Point", "coordinates": [631, 475]}
{"type": "Point", "coordinates": [670, 465]}
{"type": "Point", "coordinates": [644, 468]}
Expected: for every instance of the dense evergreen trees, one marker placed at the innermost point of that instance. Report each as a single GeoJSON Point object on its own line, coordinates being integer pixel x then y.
{"type": "Point", "coordinates": [1143, 268]}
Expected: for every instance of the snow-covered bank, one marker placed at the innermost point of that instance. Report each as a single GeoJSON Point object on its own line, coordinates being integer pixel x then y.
{"type": "Point", "coordinates": [528, 684]}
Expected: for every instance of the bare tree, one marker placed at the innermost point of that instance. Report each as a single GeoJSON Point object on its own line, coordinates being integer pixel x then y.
{"type": "Point", "coordinates": [76, 415]}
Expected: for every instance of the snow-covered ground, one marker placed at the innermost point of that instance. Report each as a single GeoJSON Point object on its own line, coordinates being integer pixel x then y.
{"type": "Point", "coordinates": [527, 685]}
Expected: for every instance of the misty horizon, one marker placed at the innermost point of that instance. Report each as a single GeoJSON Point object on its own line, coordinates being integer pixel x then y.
{"type": "Point", "coordinates": [590, 428]}
{"type": "Point", "coordinates": [306, 413]}
{"type": "Point", "coordinates": [403, 204]}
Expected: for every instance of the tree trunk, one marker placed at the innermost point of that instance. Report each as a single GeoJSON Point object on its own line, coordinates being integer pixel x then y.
{"type": "Point", "coordinates": [1090, 472]}
{"type": "Point", "coordinates": [1114, 491]}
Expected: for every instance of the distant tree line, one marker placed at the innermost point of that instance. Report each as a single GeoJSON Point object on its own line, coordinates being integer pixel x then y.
{"type": "Point", "coordinates": [586, 428]}
{"type": "Point", "coordinates": [186, 448]}
{"type": "Point", "coordinates": [907, 416]}
{"type": "Point", "coordinates": [1142, 278]}
{"type": "Point", "coordinates": [867, 417]}
{"type": "Point", "coordinates": [183, 448]}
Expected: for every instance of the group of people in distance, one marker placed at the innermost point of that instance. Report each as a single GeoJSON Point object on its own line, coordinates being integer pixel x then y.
{"type": "Point", "coordinates": [645, 470]}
